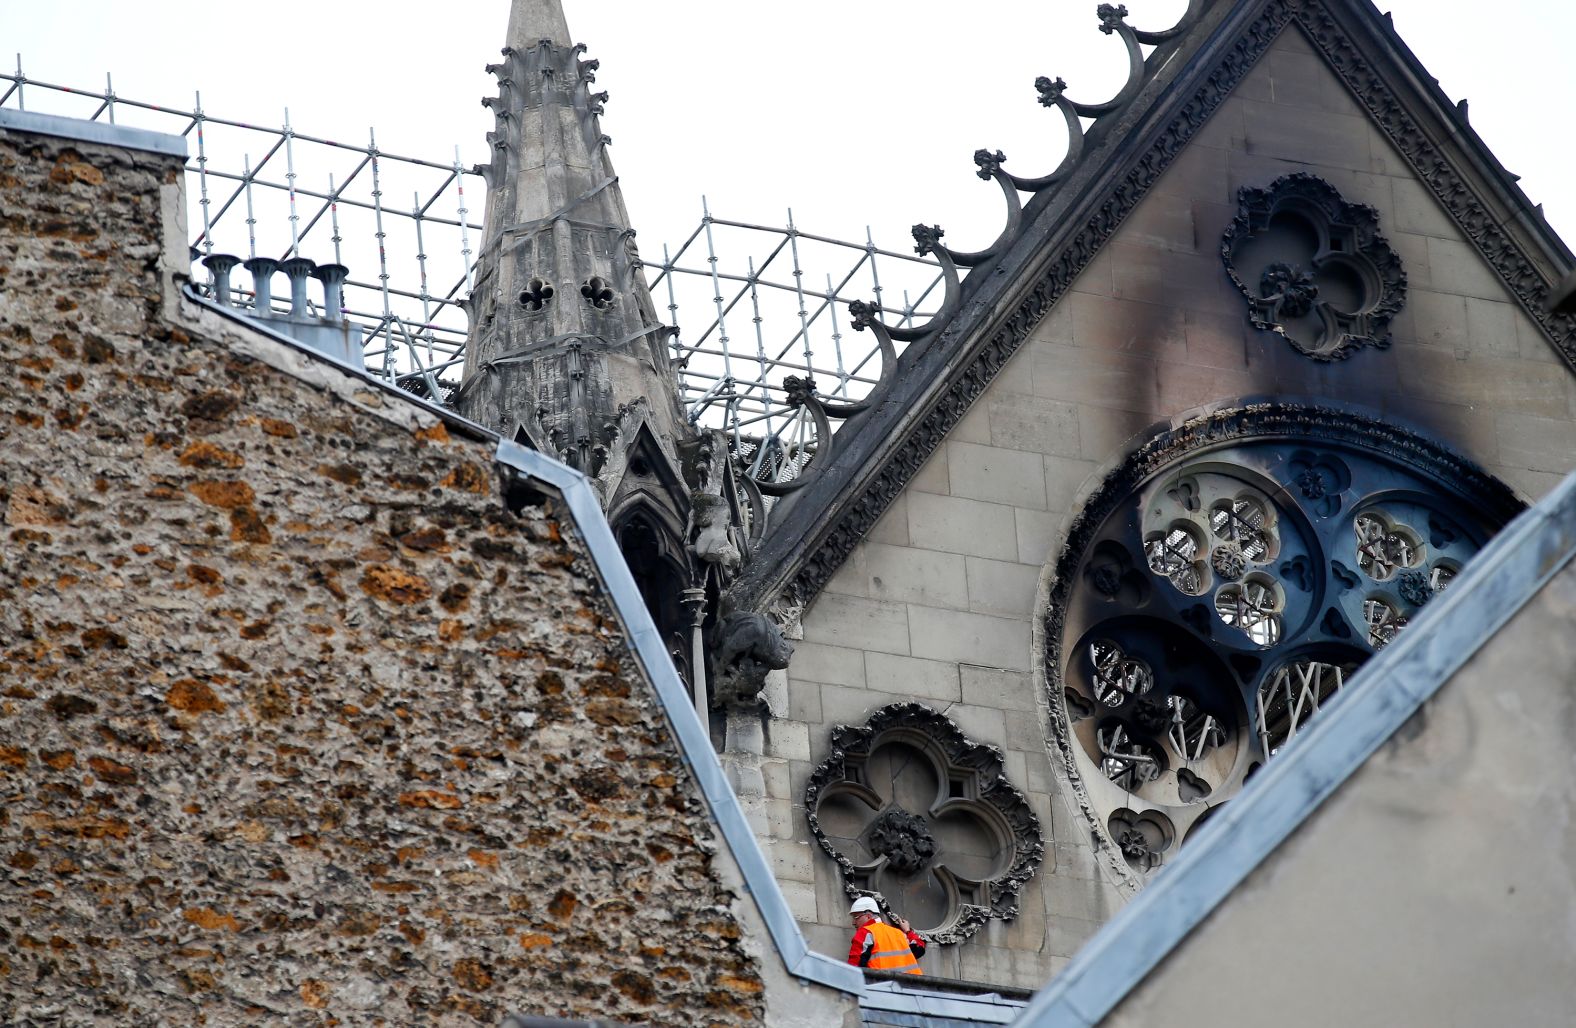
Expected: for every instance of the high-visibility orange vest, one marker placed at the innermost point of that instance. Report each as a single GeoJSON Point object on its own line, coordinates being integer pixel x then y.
{"type": "Point", "coordinates": [890, 950]}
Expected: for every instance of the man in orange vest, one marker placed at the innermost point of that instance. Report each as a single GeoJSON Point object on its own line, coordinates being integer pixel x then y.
{"type": "Point", "coordinates": [879, 946]}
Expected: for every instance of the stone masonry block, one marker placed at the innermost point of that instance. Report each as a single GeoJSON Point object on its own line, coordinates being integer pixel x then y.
{"type": "Point", "coordinates": [791, 861]}
{"type": "Point", "coordinates": [1538, 444]}
{"type": "Point", "coordinates": [999, 587]}
{"type": "Point", "coordinates": [981, 724]}
{"type": "Point", "coordinates": [817, 662]}
{"type": "Point", "coordinates": [1128, 326]}
{"type": "Point", "coordinates": [957, 524]}
{"type": "Point", "coordinates": [1491, 326]}
{"type": "Point", "coordinates": [993, 687]}
{"type": "Point", "coordinates": [844, 706]}
{"type": "Point", "coordinates": [1457, 267]}
{"type": "Point", "coordinates": [932, 476]}
{"type": "Point", "coordinates": [1415, 210]}
{"type": "Point", "coordinates": [1199, 172]}
{"type": "Point", "coordinates": [892, 526]}
{"type": "Point", "coordinates": [1148, 275]}
{"type": "Point", "coordinates": [787, 740]}
{"type": "Point", "coordinates": [853, 622]}
{"type": "Point", "coordinates": [1108, 433]}
{"type": "Point", "coordinates": [1307, 136]}
{"type": "Point", "coordinates": [1162, 221]}
{"type": "Point", "coordinates": [804, 700]}
{"type": "Point", "coordinates": [1216, 340]}
{"type": "Point", "coordinates": [1066, 479]}
{"type": "Point", "coordinates": [995, 475]}
{"type": "Point", "coordinates": [1035, 424]}
{"type": "Point", "coordinates": [911, 677]}
{"type": "Point", "coordinates": [1065, 936]}
{"type": "Point", "coordinates": [1038, 534]}
{"type": "Point", "coordinates": [974, 638]}
{"type": "Point", "coordinates": [913, 575]}
{"type": "Point", "coordinates": [1094, 377]}
{"type": "Point", "coordinates": [801, 899]}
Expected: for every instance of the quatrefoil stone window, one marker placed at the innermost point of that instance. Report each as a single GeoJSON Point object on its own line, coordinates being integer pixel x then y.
{"type": "Point", "coordinates": [918, 815]}
{"type": "Point", "coordinates": [1314, 267]}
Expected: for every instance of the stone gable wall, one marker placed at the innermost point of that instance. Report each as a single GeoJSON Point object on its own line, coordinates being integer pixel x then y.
{"type": "Point", "coordinates": [299, 722]}
{"type": "Point", "coordinates": [941, 602]}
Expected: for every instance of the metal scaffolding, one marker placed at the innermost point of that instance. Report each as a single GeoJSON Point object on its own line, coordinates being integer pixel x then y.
{"type": "Point", "coordinates": [279, 192]}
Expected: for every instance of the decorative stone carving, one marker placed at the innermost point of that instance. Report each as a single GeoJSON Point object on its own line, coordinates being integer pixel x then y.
{"type": "Point", "coordinates": [1143, 838]}
{"type": "Point", "coordinates": [1228, 561]}
{"type": "Point", "coordinates": [989, 163]}
{"type": "Point", "coordinates": [1050, 89]}
{"type": "Point", "coordinates": [1313, 267]}
{"type": "Point", "coordinates": [598, 293]}
{"type": "Point", "coordinates": [911, 809]}
{"type": "Point", "coordinates": [1415, 588]}
{"type": "Point", "coordinates": [748, 646]}
{"type": "Point", "coordinates": [927, 238]}
{"type": "Point", "coordinates": [536, 295]}
{"type": "Point", "coordinates": [903, 839]}
{"type": "Point", "coordinates": [711, 531]}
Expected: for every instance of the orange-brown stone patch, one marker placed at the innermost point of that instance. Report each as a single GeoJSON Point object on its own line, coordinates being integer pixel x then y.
{"type": "Point", "coordinates": [386, 582]}
{"type": "Point", "coordinates": [225, 494]}
{"type": "Point", "coordinates": [193, 696]}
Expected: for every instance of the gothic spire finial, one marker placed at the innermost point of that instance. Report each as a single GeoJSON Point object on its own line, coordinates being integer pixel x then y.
{"type": "Point", "coordinates": [563, 330]}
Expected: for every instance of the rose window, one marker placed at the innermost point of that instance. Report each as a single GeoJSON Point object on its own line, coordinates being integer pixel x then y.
{"type": "Point", "coordinates": [1218, 595]}
{"type": "Point", "coordinates": [916, 814]}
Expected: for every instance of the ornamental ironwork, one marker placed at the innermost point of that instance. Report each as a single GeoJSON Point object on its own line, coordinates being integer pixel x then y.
{"type": "Point", "coordinates": [1314, 267]}
{"type": "Point", "coordinates": [1223, 589]}
{"type": "Point", "coordinates": [916, 814]}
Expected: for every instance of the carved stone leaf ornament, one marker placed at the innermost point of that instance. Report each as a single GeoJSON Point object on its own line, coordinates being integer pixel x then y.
{"type": "Point", "coordinates": [916, 814]}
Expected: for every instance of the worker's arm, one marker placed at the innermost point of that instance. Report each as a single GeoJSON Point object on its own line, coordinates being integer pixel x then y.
{"type": "Point", "coordinates": [916, 945]}
{"type": "Point", "coordinates": [862, 946]}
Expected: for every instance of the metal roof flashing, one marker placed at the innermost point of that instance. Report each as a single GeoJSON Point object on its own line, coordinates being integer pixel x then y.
{"type": "Point", "coordinates": [105, 133]}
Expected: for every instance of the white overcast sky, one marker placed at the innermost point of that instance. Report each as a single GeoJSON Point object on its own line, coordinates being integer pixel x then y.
{"type": "Point", "coordinates": [852, 113]}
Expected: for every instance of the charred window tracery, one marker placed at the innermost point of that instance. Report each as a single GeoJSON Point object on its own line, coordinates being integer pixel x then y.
{"type": "Point", "coordinates": [1223, 598]}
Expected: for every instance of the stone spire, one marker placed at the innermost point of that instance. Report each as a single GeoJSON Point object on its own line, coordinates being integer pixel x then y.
{"type": "Point", "coordinates": [566, 351]}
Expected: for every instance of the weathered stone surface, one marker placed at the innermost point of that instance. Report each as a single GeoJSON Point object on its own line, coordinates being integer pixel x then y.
{"type": "Point", "coordinates": [300, 723]}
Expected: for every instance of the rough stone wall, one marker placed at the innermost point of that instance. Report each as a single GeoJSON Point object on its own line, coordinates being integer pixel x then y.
{"type": "Point", "coordinates": [298, 720]}
{"type": "Point", "coordinates": [940, 602]}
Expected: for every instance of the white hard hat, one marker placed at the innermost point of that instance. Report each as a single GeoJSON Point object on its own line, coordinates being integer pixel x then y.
{"type": "Point", "coordinates": [865, 903]}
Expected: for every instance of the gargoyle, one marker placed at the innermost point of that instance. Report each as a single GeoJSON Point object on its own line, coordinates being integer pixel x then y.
{"type": "Point", "coordinates": [746, 647]}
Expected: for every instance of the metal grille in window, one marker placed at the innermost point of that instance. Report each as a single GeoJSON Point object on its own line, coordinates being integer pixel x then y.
{"type": "Point", "coordinates": [1292, 695]}
{"type": "Point", "coordinates": [1174, 555]}
{"type": "Point", "coordinates": [1116, 676]}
